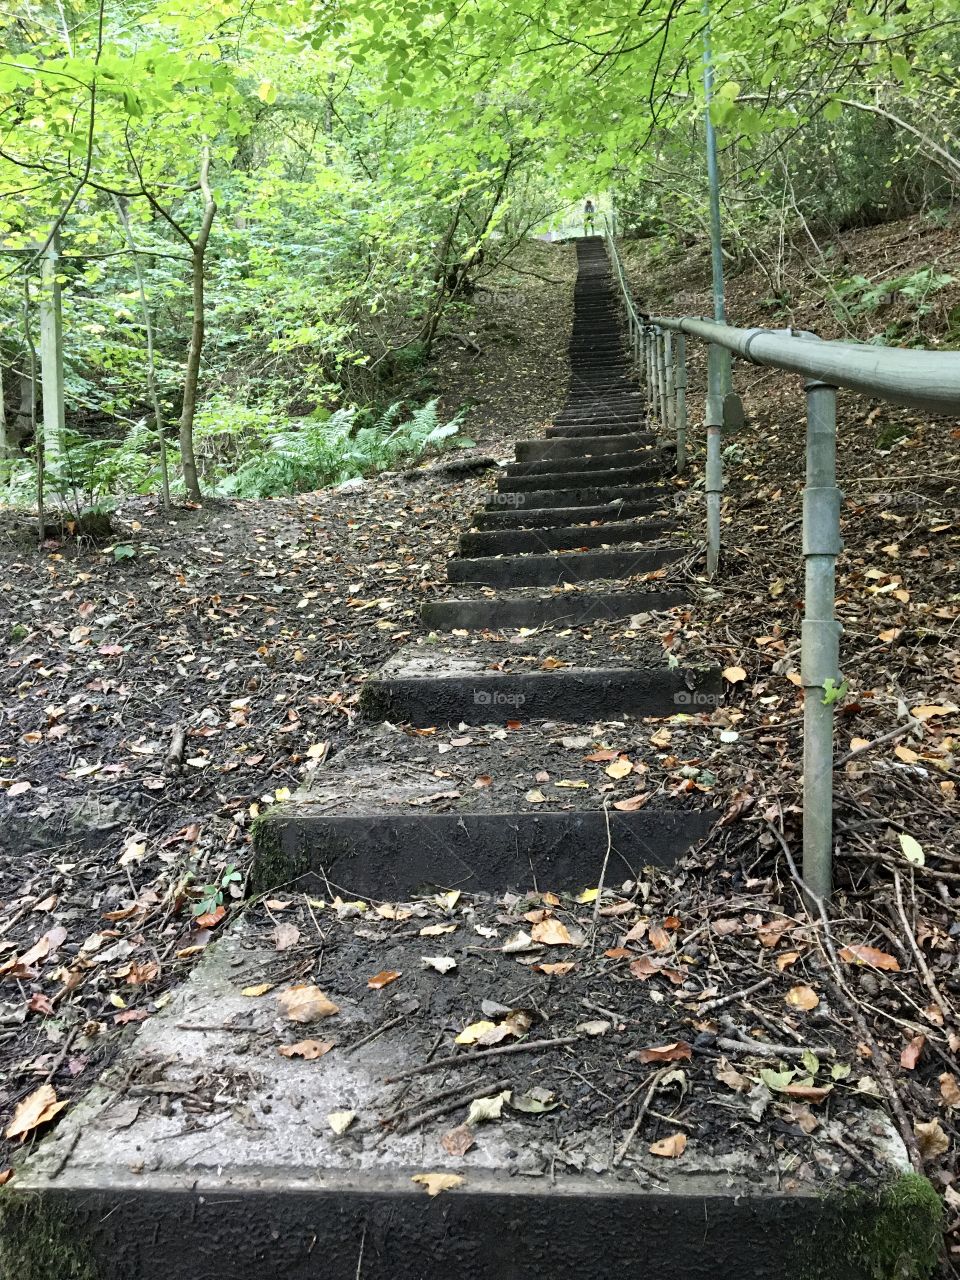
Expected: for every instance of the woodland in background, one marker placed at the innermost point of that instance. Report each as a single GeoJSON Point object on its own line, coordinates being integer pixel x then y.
{"type": "Point", "coordinates": [269, 214]}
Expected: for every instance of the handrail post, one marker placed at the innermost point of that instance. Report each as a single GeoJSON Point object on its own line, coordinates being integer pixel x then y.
{"type": "Point", "coordinates": [713, 480]}
{"type": "Point", "coordinates": [820, 650]}
{"type": "Point", "coordinates": [681, 390]}
{"type": "Point", "coordinates": [670, 408]}
{"type": "Point", "coordinates": [662, 381]}
{"type": "Point", "coordinates": [648, 338]}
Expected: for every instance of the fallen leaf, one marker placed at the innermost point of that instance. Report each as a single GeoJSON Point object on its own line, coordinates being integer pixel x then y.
{"type": "Point", "coordinates": [535, 1101]}
{"type": "Point", "coordinates": [434, 1183]}
{"type": "Point", "coordinates": [595, 1027]}
{"type": "Point", "coordinates": [733, 675]}
{"type": "Point", "coordinates": [802, 1116]}
{"type": "Point", "coordinates": [786, 959]}
{"type": "Point", "coordinates": [435, 930]}
{"type": "Point", "coordinates": [679, 1051]}
{"type": "Point", "coordinates": [472, 1033]}
{"type": "Point", "coordinates": [483, 1109]}
{"type": "Point", "coordinates": [732, 1078]}
{"type": "Point", "coordinates": [949, 1089]}
{"type": "Point", "coordinates": [457, 1142]}
{"type": "Point", "coordinates": [34, 1110]}
{"type": "Point", "coordinates": [558, 969]}
{"type": "Point", "coordinates": [285, 936]}
{"type": "Point", "coordinates": [309, 1049]}
{"type": "Point", "coordinates": [340, 1121]}
{"type": "Point", "coordinates": [802, 997]}
{"type": "Point", "coordinates": [552, 932]}
{"type": "Point", "coordinates": [260, 989]}
{"type": "Point", "coordinates": [383, 979]}
{"type": "Point", "coordinates": [305, 1003]}
{"type": "Point", "coordinates": [633, 803]}
{"type": "Point", "coordinates": [860, 954]}
{"type": "Point", "coordinates": [911, 849]}
{"type": "Point", "coordinates": [929, 710]}
{"type": "Point", "coordinates": [619, 768]}
{"type": "Point", "coordinates": [910, 1054]}
{"type": "Point", "coordinates": [670, 1148]}
{"type": "Point", "coordinates": [931, 1139]}
{"type": "Point", "coordinates": [442, 964]}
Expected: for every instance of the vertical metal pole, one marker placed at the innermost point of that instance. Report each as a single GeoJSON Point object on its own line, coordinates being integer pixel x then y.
{"type": "Point", "coordinates": [51, 352]}
{"type": "Point", "coordinates": [648, 340]}
{"type": "Point", "coordinates": [681, 386]}
{"type": "Point", "coordinates": [670, 408]}
{"type": "Point", "coordinates": [820, 651]}
{"type": "Point", "coordinates": [713, 481]}
{"type": "Point", "coordinates": [661, 382]}
{"type": "Point", "coordinates": [713, 179]}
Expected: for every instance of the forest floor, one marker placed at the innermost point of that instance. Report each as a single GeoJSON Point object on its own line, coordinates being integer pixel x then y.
{"type": "Point", "coordinates": [238, 636]}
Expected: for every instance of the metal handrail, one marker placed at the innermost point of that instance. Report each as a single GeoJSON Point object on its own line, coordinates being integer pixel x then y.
{"type": "Point", "coordinates": [927, 380]}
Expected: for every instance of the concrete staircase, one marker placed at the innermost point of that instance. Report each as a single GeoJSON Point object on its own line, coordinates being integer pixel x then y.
{"type": "Point", "coordinates": [236, 1174]}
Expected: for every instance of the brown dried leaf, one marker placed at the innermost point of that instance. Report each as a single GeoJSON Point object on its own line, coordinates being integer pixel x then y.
{"type": "Point", "coordinates": [309, 1049]}
{"type": "Point", "coordinates": [861, 954]}
{"type": "Point", "coordinates": [671, 1148]}
{"type": "Point", "coordinates": [931, 1139]}
{"type": "Point", "coordinates": [552, 932]}
{"type": "Point", "coordinates": [457, 1142]}
{"type": "Point", "coordinates": [35, 1109]}
{"type": "Point", "coordinates": [949, 1090]}
{"type": "Point", "coordinates": [383, 979]}
{"type": "Point", "coordinates": [910, 1055]}
{"type": "Point", "coordinates": [305, 1003]}
{"type": "Point", "coordinates": [802, 997]}
{"type": "Point", "coordinates": [679, 1051]}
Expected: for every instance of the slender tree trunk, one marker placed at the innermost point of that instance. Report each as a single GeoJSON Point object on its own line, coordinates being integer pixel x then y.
{"type": "Point", "coordinates": [38, 441]}
{"type": "Point", "coordinates": [192, 375]}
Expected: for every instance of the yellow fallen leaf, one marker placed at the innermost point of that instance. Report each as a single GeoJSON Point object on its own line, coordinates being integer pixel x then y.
{"type": "Point", "coordinates": [434, 1183]}
{"type": "Point", "coordinates": [472, 1033]}
{"type": "Point", "coordinates": [576, 786]}
{"type": "Point", "coordinates": [340, 1121]}
{"type": "Point", "coordinates": [588, 895]}
{"type": "Point", "coordinates": [260, 989]}
{"type": "Point", "coordinates": [929, 710]}
{"type": "Point", "coordinates": [282, 793]}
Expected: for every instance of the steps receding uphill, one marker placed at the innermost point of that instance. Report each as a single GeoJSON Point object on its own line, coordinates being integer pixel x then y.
{"type": "Point", "coordinates": [490, 771]}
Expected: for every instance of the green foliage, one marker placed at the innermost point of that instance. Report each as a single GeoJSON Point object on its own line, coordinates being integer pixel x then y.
{"type": "Point", "coordinates": [312, 454]}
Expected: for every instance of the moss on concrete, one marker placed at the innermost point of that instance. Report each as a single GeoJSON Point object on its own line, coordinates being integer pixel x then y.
{"type": "Point", "coordinates": [274, 862]}
{"type": "Point", "coordinates": [39, 1242]}
{"type": "Point", "coordinates": [891, 1233]}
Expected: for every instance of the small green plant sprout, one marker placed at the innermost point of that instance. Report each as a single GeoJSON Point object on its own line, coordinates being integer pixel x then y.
{"type": "Point", "coordinates": [124, 551]}
{"type": "Point", "coordinates": [211, 895]}
{"type": "Point", "coordinates": [833, 692]}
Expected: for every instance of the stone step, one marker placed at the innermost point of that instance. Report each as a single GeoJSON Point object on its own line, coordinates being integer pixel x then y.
{"type": "Point", "coordinates": [434, 684]}
{"type": "Point", "coordinates": [562, 517]}
{"type": "Point", "coordinates": [587, 496]}
{"type": "Point", "coordinates": [525, 607]}
{"type": "Point", "coordinates": [580, 446]}
{"type": "Point", "coordinates": [561, 464]}
{"type": "Point", "coordinates": [393, 813]}
{"type": "Point", "coordinates": [610, 425]}
{"type": "Point", "coordinates": [565, 538]}
{"type": "Point", "coordinates": [572, 566]}
{"type": "Point", "coordinates": [570, 479]}
{"type": "Point", "coordinates": [236, 1171]}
